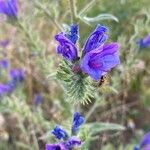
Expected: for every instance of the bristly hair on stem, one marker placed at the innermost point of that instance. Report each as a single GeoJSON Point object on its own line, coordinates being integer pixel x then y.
{"type": "Point", "coordinates": [78, 87]}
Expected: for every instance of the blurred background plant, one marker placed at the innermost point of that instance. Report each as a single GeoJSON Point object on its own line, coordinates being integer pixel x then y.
{"type": "Point", "coordinates": [120, 102]}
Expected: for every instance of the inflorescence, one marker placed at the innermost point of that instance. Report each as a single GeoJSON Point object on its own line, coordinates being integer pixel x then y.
{"type": "Point", "coordinates": [67, 142]}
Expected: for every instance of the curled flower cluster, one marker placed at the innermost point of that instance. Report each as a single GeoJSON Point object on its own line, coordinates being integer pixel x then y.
{"type": "Point", "coordinates": [9, 8]}
{"type": "Point", "coordinates": [61, 134]}
{"type": "Point", "coordinates": [16, 76]}
{"type": "Point", "coordinates": [97, 57]}
{"type": "Point", "coordinates": [145, 143]}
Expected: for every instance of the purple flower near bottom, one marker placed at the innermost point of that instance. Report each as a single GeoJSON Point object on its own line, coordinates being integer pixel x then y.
{"type": "Point", "coordinates": [68, 142]}
{"type": "Point", "coordinates": [71, 142]}
{"type": "Point", "coordinates": [145, 143]}
{"type": "Point", "coordinates": [98, 62]}
{"type": "Point", "coordinates": [78, 120]}
{"type": "Point", "coordinates": [9, 8]}
{"type": "Point", "coordinates": [59, 133]}
{"type": "Point", "coordinates": [145, 42]}
{"type": "Point", "coordinates": [59, 146]}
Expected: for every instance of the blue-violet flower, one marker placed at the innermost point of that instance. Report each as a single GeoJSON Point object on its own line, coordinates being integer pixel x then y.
{"type": "Point", "coordinates": [59, 133]}
{"type": "Point", "coordinates": [145, 42]}
{"type": "Point", "coordinates": [145, 143]}
{"type": "Point", "coordinates": [66, 47]}
{"type": "Point", "coordinates": [9, 8]}
{"type": "Point", "coordinates": [78, 120]}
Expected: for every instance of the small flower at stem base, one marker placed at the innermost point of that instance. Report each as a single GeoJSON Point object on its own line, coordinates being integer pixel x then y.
{"type": "Point", "coordinates": [59, 146]}
{"type": "Point", "coordinates": [59, 133]}
{"type": "Point", "coordinates": [78, 120]}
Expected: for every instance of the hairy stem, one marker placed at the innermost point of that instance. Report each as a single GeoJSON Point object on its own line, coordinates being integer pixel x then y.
{"type": "Point", "coordinates": [91, 111]}
{"type": "Point", "coordinates": [28, 35]}
{"type": "Point", "coordinates": [53, 20]}
{"type": "Point", "coordinates": [73, 10]}
{"type": "Point", "coordinates": [86, 8]}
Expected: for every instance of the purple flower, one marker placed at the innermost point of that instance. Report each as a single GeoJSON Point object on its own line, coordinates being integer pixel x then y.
{"type": "Point", "coordinates": [37, 99]}
{"type": "Point", "coordinates": [4, 43]}
{"type": "Point", "coordinates": [3, 89]}
{"type": "Point", "coordinates": [78, 120]}
{"type": "Point", "coordinates": [4, 63]}
{"type": "Point", "coordinates": [97, 58]}
{"type": "Point", "coordinates": [17, 75]}
{"type": "Point", "coordinates": [59, 146]}
{"type": "Point", "coordinates": [136, 148]}
{"type": "Point", "coordinates": [145, 42]}
{"type": "Point", "coordinates": [100, 60]}
{"type": "Point", "coordinates": [96, 39]}
{"type": "Point", "coordinates": [59, 133]}
{"type": "Point", "coordinates": [73, 35]}
{"type": "Point", "coordinates": [66, 47]}
{"type": "Point", "coordinates": [73, 141]}
{"type": "Point", "coordinates": [9, 8]}
{"type": "Point", "coordinates": [70, 143]}
{"type": "Point", "coordinates": [6, 88]}
{"type": "Point", "coordinates": [145, 142]}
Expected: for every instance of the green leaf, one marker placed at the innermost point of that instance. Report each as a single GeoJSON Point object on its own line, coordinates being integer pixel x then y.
{"type": "Point", "coordinates": [99, 18]}
{"type": "Point", "coordinates": [98, 127]}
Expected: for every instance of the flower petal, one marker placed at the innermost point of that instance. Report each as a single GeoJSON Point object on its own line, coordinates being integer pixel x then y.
{"type": "Point", "coordinates": [66, 47]}
{"type": "Point", "coordinates": [59, 133]}
{"type": "Point", "coordinates": [86, 66]}
{"type": "Point", "coordinates": [59, 146]}
{"type": "Point", "coordinates": [78, 120]}
{"type": "Point", "coordinates": [109, 49]}
{"type": "Point", "coordinates": [145, 141]}
{"type": "Point", "coordinates": [101, 60]}
{"type": "Point", "coordinates": [9, 8]}
{"type": "Point", "coordinates": [145, 42]}
{"type": "Point", "coordinates": [109, 62]}
{"type": "Point", "coordinates": [73, 141]}
{"type": "Point", "coordinates": [96, 39]}
{"type": "Point", "coordinates": [73, 35]}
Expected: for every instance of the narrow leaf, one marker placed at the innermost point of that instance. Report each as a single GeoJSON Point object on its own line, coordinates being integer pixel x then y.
{"type": "Point", "coordinates": [100, 17]}
{"type": "Point", "coordinates": [98, 127]}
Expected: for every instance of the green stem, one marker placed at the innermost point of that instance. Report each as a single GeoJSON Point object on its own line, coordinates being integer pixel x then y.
{"type": "Point", "coordinates": [28, 35]}
{"type": "Point", "coordinates": [91, 110]}
{"type": "Point", "coordinates": [53, 20]}
{"type": "Point", "coordinates": [86, 8]}
{"type": "Point", "coordinates": [73, 10]}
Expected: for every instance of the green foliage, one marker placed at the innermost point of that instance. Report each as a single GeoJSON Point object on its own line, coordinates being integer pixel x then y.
{"type": "Point", "coordinates": [98, 127]}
